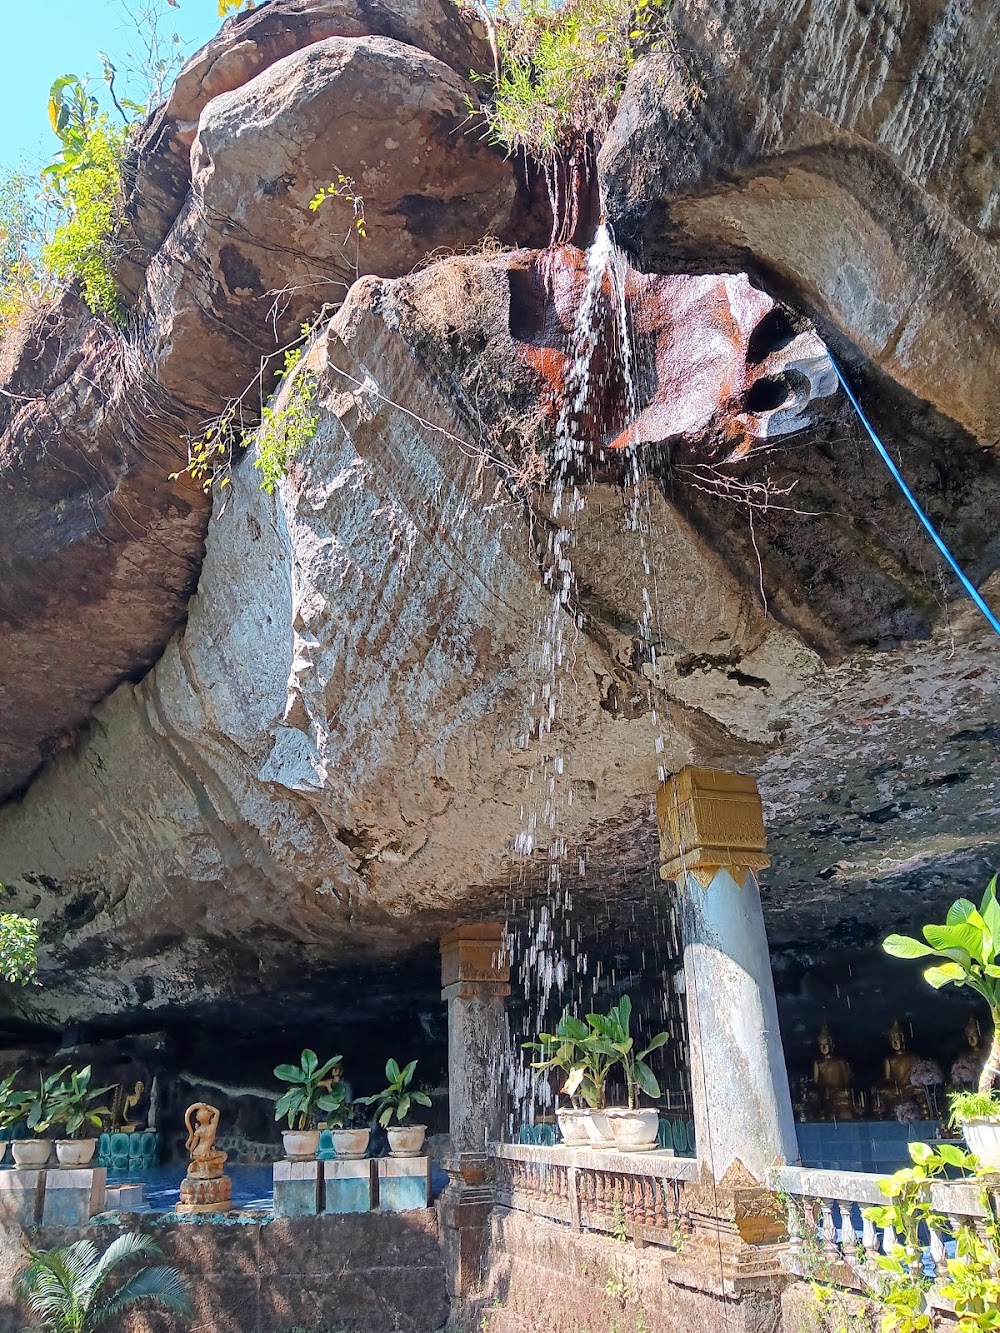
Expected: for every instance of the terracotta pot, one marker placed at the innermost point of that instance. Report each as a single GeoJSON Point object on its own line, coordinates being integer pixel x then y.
{"type": "Point", "coordinates": [573, 1127]}
{"type": "Point", "coordinates": [406, 1140]}
{"type": "Point", "coordinates": [31, 1152]}
{"type": "Point", "coordinates": [599, 1129]}
{"type": "Point", "coordinates": [300, 1144]}
{"type": "Point", "coordinates": [635, 1131]}
{"type": "Point", "coordinates": [75, 1152]}
{"type": "Point", "coordinates": [983, 1138]}
{"type": "Point", "coordinates": [350, 1143]}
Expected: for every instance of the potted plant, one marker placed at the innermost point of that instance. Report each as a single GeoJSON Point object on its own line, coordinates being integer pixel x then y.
{"type": "Point", "coordinates": [635, 1128]}
{"type": "Point", "coordinates": [350, 1137]}
{"type": "Point", "coordinates": [564, 1049]}
{"type": "Point", "coordinates": [597, 1057]}
{"type": "Point", "coordinates": [968, 944]}
{"type": "Point", "coordinates": [40, 1109]}
{"type": "Point", "coordinates": [13, 1108]}
{"type": "Point", "coordinates": [75, 1111]}
{"type": "Point", "coordinates": [308, 1093]}
{"type": "Point", "coordinates": [396, 1100]}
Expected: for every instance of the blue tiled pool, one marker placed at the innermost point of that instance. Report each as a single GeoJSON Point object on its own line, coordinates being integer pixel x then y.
{"type": "Point", "coordinates": [252, 1186]}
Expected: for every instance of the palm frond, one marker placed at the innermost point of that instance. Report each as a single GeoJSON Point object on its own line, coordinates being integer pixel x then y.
{"type": "Point", "coordinates": [161, 1285]}
{"type": "Point", "coordinates": [130, 1245]}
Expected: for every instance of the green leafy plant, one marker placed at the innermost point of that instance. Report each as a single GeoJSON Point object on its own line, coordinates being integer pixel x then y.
{"type": "Point", "coordinates": [18, 948]}
{"type": "Point", "coordinates": [972, 1280]}
{"type": "Point", "coordinates": [13, 1103]}
{"type": "Point", "coordinates": [68, 1290]}
{"type": "Point", "coordinates": [397, 1097]}
{"type": "Point", "coordinates": [968, 943]}
{"type": "Point", "coordinates": [73, 1104]}
{"type": "Point", "coordinates": [85, 176]}
{"type": "Point", "coordinates": [965, 1106]}
{"type": "Point", "coordinates": [281, 433]}
{"type": "Point", "coordinates": [227, 7]}
{"type": "Point", "coordinates": [42, 1104]}
{"type": "Point", "coordinates": [615, 1028]}
{"type": "Point", "coordinates": [564, 1049]}
{"type": "Point", "coordinates": [559, 68]}
{"type": "Point", "coordinates": [308, 1092]}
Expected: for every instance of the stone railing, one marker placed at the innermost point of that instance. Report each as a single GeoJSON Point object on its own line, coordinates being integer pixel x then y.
{"type": "Point", "coordinates": [640, 1195]}
{"type": "Point", "coordinates": [830, 1239]}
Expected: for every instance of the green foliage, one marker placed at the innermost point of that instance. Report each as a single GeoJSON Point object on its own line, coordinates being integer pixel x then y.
{"type": "Point", "coordinates": [560, 68]}
{"type": "Point", "coordinates": [963, 1106]}
{"type": "Point", "coordinates": [24, 230]}
{"type": "Point", "coordinates": [283, 431]}
{"type": "Point", "coordinates": [287, 429]}
{"type": "Point", "coordinates": [968, 943]}
{"type": "Point", "coordinates": [73, 1103]}
{"type": "Point", "coordinates": [589, 1051]}
{"type": "Point", "coordinates": [616, 1029]}
{"type": "Point", "coordinates": [564, 1049]}
{"type": "Point", "coordinates": [397, 1097]}
{"type": "Point", "coordinates": [68, 1289]}
{"type": "Point", "coordinates": [18, 948]}
{"type": "Point", "coordinates": [86, 178]}
{"type": "Point", "coordinates": [972, 1283]}
{"type": "Point", "coordinates": [306, 1095]}
{"type": "Point", "coordinates": [41, 1105]}
{"type": "Point", "coordinates": [345, 188]}
{"type": "Point", "coordinates": [13, 1103]}
{"type": "Point", "coordinates": [227, 7]}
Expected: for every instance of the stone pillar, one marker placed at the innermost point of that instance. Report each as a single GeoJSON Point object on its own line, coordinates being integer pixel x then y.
{"type": "Point", "coordinates": [712, 841]}
{"type": "Point", "coordinates": [475, 979]}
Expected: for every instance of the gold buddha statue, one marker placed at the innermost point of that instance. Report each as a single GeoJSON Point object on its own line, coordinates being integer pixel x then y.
{"type": "Point", "coordinates": [897, 1068]}
{"type": "Point", "coordinates": [968, 1066]}
{"type": "Point", "coordinates": [833, 1078]}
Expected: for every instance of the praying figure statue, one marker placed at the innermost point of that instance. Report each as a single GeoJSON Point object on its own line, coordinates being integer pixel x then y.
{"type": "Point", "coordinates": [833, 1078]}
{"type": "Point", "coordinates": [205, 1189]}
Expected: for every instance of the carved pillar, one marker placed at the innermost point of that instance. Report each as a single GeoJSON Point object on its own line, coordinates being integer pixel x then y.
{"type": "Point", "coordinates": [475, 980]}
{"type": "Point", "coordinates": [712, 841]}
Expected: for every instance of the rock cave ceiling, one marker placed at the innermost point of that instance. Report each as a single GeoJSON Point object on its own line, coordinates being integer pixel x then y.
{"type": "Point", "coordinates": [285, 787]}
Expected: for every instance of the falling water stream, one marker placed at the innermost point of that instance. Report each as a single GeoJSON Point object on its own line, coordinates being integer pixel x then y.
{"type": "Point", "coordinates": [551, 966]}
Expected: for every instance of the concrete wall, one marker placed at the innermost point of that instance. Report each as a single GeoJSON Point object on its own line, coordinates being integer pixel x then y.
{"type": "Point", "coordinates": [353, 1274]}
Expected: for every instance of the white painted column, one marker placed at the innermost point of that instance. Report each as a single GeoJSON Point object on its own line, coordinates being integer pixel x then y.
{"type": "Point", "coordinates": [712, 836]}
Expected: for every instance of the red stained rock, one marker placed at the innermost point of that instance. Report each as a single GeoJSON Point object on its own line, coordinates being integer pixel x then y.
{"type": "Point", "coordinates": [712, 355]}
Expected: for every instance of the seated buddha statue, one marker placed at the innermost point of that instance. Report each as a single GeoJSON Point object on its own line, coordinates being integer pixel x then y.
{"type": "Point", "coordinates": [896, 1086]}
{"type": "Point", "coordinates": [833, 1078]}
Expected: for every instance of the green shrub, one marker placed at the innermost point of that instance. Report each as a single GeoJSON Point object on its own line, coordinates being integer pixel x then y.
{"type": "Point", "coordinates": [560, 68]}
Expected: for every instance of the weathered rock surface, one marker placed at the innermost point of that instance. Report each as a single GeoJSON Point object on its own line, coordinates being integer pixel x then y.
{"type": "Point", "coordinates": [326, 758]}
{"type": "Point", "coordinates": [846, 151]}
{"type": "Point", "coordinates": [101, 549]}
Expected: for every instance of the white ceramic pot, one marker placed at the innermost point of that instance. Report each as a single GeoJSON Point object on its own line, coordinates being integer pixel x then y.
{"type": "Point", "coordinates": [31, 1152]}
{"type": "Point", "coordinates": [75, 1152]}
{"type": "Point", "coordinates": [573, 1127]}
{"type": "Point", "coordinates": [352, 1143]}
{"type": "Point", "coordinates": [406, 1140]}
{"type": "Point", "coordinates": [635, 1131]}
{"type": "Point", "coordinates": [599, 1129]}
{"type": "Point", "coordinates": [300, 1144]}
{"type": "Point", "coordinates": [983, 1138]}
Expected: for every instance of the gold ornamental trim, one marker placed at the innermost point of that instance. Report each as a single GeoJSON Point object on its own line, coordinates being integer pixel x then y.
{"type": "Point", "coordinates": [710, 820]}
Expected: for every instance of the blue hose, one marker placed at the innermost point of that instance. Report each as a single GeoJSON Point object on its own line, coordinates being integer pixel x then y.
{"type": "Point", "coordinates": [914, 505]}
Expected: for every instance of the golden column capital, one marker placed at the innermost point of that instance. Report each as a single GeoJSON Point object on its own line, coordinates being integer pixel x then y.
{"type": "Point", "coordinates": [710, 820]}
{"type": "Point", "coordinates": [474, 959]}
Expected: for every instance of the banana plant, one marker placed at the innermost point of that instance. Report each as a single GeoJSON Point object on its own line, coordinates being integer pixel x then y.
{"type": "Point", "coordinates": [397, 1097]}
{"type": "Point", "coordinates": [13, 1104]}
{"type": "Point", "coordinates": [310, 1090]}
{"type": "Point", "coordinates": [613, 1034]}
{"type": "Point", "coordinates": [968, 944]}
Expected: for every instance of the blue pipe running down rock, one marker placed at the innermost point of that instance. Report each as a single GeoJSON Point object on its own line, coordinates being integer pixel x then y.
{"type": "Point", "coordinates": [915, 506]}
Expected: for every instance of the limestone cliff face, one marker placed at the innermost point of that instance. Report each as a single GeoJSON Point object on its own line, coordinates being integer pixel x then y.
{"type": "Point", "coordinates": [322, 768]}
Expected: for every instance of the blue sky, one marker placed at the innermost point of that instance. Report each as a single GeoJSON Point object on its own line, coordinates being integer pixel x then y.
{"type": "Point", "coordinates": [43, 39]}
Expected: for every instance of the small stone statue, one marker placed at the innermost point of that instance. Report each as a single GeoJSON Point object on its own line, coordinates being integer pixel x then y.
{"type": "Point", "coordinates": [205, 1189]}
{"type": "Point", "coordinates": [833, 1077]}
